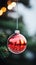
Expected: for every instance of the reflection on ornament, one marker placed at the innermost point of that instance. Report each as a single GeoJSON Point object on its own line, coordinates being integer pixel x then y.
{"type": "Point", "coordinates": [17, 43]}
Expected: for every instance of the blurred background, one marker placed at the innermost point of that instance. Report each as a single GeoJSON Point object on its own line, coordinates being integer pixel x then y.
{"type": "Point", "coordinates": [25, 11]}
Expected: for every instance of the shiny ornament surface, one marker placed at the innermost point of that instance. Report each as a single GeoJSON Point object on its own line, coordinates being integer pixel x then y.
{"type": "Point", "coordinates": [17, 43]}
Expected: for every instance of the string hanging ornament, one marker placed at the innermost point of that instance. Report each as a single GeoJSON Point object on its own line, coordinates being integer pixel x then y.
{"type": "Point", "coordinates": [17, 43]}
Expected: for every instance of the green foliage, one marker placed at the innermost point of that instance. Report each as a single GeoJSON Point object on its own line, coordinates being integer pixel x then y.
{"type": "Point", "coordinates": [4, 51]}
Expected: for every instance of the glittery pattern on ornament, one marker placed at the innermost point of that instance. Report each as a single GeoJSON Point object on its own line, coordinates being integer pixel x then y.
{"type": "Point", "coordinates": [16, 43]}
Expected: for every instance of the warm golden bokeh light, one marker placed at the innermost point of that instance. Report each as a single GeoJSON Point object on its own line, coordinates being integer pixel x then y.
{"type": "Point", "coordinates": [13, 4]}
{"type": "Point", "coordinates": [8, 2]}
{"type": "Point", "coordinates": [1, 12]}
{"type": "Point", "coordinates": [9, 7]}
{"type": "Point", "coordinates": [3, 9]}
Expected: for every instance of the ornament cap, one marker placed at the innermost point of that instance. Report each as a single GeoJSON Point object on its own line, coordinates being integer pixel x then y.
{"type": "Point", "coordinates": [17, 31]}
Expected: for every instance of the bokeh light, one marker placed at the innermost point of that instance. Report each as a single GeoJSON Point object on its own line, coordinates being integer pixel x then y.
{"type": "Point", "coordinates": [8, 2]}
{"type": "Point", "coordinates": [3, 9]}
{"type": "Point", "coordinates": [1, 12]}
{"type": "Point", "coordinates": [13, 4]}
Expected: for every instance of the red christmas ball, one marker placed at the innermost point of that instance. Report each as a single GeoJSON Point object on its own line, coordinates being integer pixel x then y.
{"type": "Point", "coordinates": [17, 43]}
